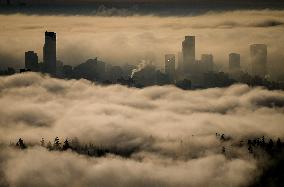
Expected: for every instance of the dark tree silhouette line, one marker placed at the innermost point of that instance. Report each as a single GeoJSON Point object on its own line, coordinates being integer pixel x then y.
{"type": "Point", "coordinates": [272, 174]}
{"type": "Point", "coordinates": [255, 144]}
{"type": "Point", "coordinates": [272, 170]}
{"type": "Point", "coordinates": [85, 149]}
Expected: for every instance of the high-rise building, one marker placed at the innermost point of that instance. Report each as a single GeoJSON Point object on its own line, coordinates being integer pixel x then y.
{"type": "Point", "coordinates": [170, 63]}
{"type": "Point", "coordinates": [258, 54]}
{"type": "Point", "coordinates": [188, 51]}
{"type": "Point", "coordinates": [31, 61]}
{"type": "Point", "coordinates": [49, 53]}
{"type": "Point", "coordinates": [206, 62]}
{"type": "Point", "coordinates": [234, 62]}
{"type": "Point", "coordinates": [180, 62]}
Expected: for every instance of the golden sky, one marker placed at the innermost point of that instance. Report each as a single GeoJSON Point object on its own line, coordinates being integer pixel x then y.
{"type": "Point", "coordinates": [119, 40]}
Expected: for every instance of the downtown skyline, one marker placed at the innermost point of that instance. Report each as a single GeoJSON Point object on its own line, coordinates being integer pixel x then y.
{"type": "Point", "coordinates": [185, 63]}
{"type": "Point", "coordinates": [189, 72]}
{"type": "Point", "coordinates": [136, 44]}
{"type": "Point", "coordinates": [144, 93]}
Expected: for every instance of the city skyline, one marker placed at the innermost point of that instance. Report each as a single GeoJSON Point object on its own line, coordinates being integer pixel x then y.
{"type": "Point", "coordinates": [189, 73]}
{"type": "Point", "coordinates": [141, 93]}
{"type": "Point", "coordinates": [138, 44]}
{"type": "Point", "coordinates": [188, 64]}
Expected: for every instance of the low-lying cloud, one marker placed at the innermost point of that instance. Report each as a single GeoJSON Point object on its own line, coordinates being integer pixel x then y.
{"type": "Point", "coordinates": [172, 131]}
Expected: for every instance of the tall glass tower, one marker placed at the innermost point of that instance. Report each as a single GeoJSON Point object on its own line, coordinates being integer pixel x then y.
{"type": "Point", "coordinates": [188, 51]}
{"type": "Point", "coordinates": [49, 53]}
{"type": "Point", "coordinates": [258, 53]}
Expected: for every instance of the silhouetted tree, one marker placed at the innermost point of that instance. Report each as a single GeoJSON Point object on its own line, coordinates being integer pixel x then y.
{"type": "Point", "coordinates": [222, 137]}
{"type": "Point", "coordinates": [270, 143]}
{"type": "Point", "coordinates": [269, 146]}
{"type": "Point", "coordinates": [249, 142]}
{"type": "Point", "coordinates": [278, 143]}
{"type": "Point", "coordinates": [56, 144]}
{"type": "Point", "coordinates": [49, 146]}
{"type": "Point", "coordinates": [262, 141]}
{"type": "Point", "coordinates": [21, 144]}
{"type": "Point", "coordinates": [223, 150]}
{"type": "Point", "coordinates": [66, 145]}
{"type": "Point", "coordinates": [250, 149]}
{"type": "Point", "coordinates": [42, 142]}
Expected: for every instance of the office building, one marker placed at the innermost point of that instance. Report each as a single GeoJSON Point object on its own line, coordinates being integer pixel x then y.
{"type": "Point", "coordinates": [49, 53]}
{"type": "Point", "coordinates": [188, 51]}
{"type": "Point", "coordinates": [234, 62]}
{"type": "Point", "coordinates": [207, 62]}
{"type": "Point", "coordinates": [180, 62]}
{"type": "Point", "coordinates": [258, 54]}
{"type": "Point", "coordinates": [170, 65]}
{"type": "Point", "coordinates": [31, 61]}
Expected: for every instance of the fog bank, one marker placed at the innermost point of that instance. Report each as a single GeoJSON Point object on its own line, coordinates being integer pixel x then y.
{"type": "Point", "coordinates": [172, 130]}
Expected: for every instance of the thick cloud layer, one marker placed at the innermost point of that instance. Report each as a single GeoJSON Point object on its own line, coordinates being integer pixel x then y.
{"type": "Point", "coordinates": [172, 130]}
{"type": "Point", "coordinates": [67, 169]}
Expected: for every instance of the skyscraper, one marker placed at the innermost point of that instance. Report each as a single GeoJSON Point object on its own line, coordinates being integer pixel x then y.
{"type": "Point", "coordinates": [207, 62]}
{"type": "Point", "coordinates": [31, 61]}
{"type": "Point", "coordinates": [188, 51]}
{"type": "Point", "coordinates": [180, 62]}
{"type": "Point", "coordinates": [234, 62]}
{"type": "Point", "coordinates": [258, 54]}
{"type": "Point", "coordinates": [49, 53]}
{"type": "Point", "coordinates": [170, 64]}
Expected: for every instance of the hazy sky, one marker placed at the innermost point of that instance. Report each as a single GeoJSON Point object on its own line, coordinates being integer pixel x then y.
{"type": "Point", "coordinates": [126, 34]}
{"type": "Point", "coordinates": [129, 38]}
{"type": "Point", "coordinates": [172, 129]}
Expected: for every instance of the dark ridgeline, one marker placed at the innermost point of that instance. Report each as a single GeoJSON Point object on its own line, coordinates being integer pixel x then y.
{"type": "Point", "coordinates": [267, 151]}
{"type": "Point", "coordinates": [89, 149]}
{"type": "Point", "coordinates": [8, 71]}
{"type": "Point", "coordinates": [92, 69]}
{"type": "Point", "coordinates": [49, 53]}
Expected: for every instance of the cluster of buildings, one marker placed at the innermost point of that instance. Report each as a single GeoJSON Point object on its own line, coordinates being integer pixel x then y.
{"type": "Point", "coordinates": [189, 72]}
{"type": "Point", "coordinates": [196, 70]}
{"type": "Point", "coordinates": [49, 64]}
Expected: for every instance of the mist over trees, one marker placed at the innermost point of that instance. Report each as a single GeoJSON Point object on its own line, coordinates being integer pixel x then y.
{"type": "Point", "coordinates": [57, 132]}
{"type": "Point", "coordinates": [141, 93]}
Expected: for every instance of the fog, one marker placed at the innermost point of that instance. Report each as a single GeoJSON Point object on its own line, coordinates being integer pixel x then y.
{"type": "Point", "coordinates": [128, 39]}
{"type": "Point", "coordinates": [172, 129]}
